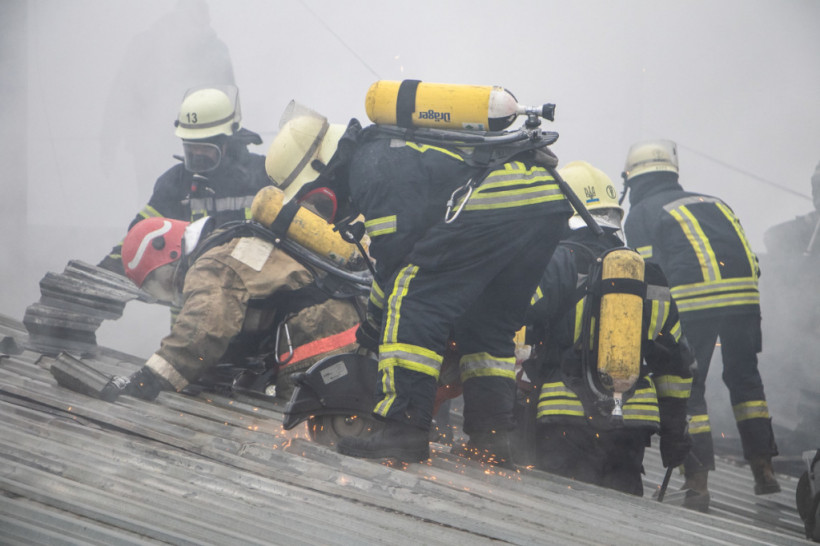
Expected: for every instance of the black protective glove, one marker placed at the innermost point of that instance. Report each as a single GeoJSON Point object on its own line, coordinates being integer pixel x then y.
{"type": "Point", "coordinates": [368, 337]}
{"type": "Point", "coordinates": [675, 448]}
{"type": "Point", "coordinates": [146, 384]}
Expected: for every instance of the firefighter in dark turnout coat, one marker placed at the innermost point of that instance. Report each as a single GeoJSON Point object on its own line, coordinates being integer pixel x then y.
{"type": "Point", "coordinates": [575, 438]}
{"type": "Point", "coordinates": [472, 276]}
{"type": "Point", "coordinates": [219, 177]}
{"type": "Point", "coordinates": [700, 245]}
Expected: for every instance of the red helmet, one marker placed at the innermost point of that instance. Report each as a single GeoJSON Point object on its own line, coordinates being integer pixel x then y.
{"type": "Point", "coordinates": [150, 244]}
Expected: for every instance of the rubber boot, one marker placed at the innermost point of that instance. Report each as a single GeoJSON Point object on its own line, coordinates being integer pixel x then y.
{"type": "Point", "coordinates": [396, 440]}
{"type": "Point", "coordinates": [488, 447]}
{"type": "Point", "coordinates": [697, 494]}
{"type": "Point", "coordinates": [765, 482]}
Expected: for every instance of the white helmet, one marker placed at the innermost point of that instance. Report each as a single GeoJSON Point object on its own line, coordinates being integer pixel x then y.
{"type": "Point", "coordinates": [595, 190]}
{"type": "Point", "coordinates": [304, 145]}
{"type": "Point", "coordinates": [207, 112]}
{"type": "Point", "coordinates": [651, 156]}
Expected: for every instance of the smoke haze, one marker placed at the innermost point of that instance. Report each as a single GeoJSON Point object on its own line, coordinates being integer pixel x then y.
{"type": "Point", "coordinates": [735, 83]}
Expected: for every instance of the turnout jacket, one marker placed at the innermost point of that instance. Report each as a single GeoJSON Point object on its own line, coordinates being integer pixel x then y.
{"type": "Point", "coordinates": [658, 400]}
{"type": "Point", "coordinates": [700, 245]}
{"type": "Point", "coordinates": [240, 292]}
{"type": "Point", "coordinates": [225, 194]}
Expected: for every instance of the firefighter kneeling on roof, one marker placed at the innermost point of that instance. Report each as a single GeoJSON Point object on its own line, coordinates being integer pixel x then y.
{"type": "Point", "coordinates": [243, 296]}
{"type": "Point", "coordinates": [608, 351]}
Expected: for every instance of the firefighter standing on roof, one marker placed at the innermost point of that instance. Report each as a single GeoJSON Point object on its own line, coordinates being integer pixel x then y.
{"type": "Point", "coordinates": [700, 245]}
{"type": "Point", "coordinates": [219, 177]}
{"type": "Point", "coordinates": [576, 435]}
{"type": "Point", "coordinates": [473, 276]}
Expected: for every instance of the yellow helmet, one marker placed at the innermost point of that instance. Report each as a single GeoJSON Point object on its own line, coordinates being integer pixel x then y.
{"type": "Point", "coordinates": [651, 156]}
{"type": "Point", "coordinates": [207, 112]}
{"type": "Point", "coordinates": [595, 190]}
{"type": "Point", "coordinates": [304, 145]}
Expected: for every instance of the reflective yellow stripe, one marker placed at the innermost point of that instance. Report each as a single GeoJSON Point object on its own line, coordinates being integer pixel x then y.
{"type": "Point", "coordinates": [676, 331]}
{"type": "Point", "coordinates": [537, 296]}
{"type": "Point", "coordinates": [579, 311]}
{"type": "Point", "coordinates": [400, 288]}
{"type": "Point", "coordinates": [376, 295]}
{"type": "Point", "coordinates": [388, 380]}
{"type": "Point", "coordinates": [735, 284]}
{"type": "Point", "coordinates": [673, 386]}
{"type": "Point", "coordinates": [756, 409]}
{"type": "Point", "coordinates": [426, 148]}
{"type": "Point", "coordinates": [700, 243]}
{"type": "Point", "coordinates": [381, 226]}
{"type": "Point", "coordinates": [740, 235]}
{"type": "Point", "coordinates": [719, 300]}
{"type": "Point", "coordinates": [699, 424]}
{"type": "Point", "coordinates": [557, 400]}
{"type": "Point", "coordinates": [410, 357]}
{"type": "Point", "coordinates": [645, 251]}
{"type": "Point", "coordinates": [149, 212]}
{"type": "Point", "coordinates": [486, 365]}
{"type": "Point", "coordinates": [491, 195]}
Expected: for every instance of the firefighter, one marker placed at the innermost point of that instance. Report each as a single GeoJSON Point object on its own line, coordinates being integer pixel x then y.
{"type": "Point", "coordinates": [792, 262]}
{"type": "Point", "coordinates": [470, 274]}
{"type": "Point", "coordinates": [700, 245]}
{"type": "Point", "coordinates": [577, 436]}
{"type": "Point", "coordinates": [218, 175]}
{"type": "Point", "coordinates": [241, 296]}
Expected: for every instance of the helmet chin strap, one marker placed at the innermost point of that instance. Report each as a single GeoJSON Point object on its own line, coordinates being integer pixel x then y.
{"type": "Point", "coordinates": [626, 189]}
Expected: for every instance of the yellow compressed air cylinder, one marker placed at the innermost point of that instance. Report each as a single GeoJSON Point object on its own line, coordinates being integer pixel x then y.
{"type": "Point", "coordinates": [621, 321]}
{"type": "Point", "coordinates": [308, 229]}
{"type": "Point", "coordinates": [410, 103]}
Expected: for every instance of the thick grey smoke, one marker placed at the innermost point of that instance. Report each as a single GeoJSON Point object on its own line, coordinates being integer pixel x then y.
{"type": "Point", "coordinates": [88, 126]}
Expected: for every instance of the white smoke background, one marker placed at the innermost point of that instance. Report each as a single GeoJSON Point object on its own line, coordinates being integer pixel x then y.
{"type": "Point", "coordinates": [734, 83]}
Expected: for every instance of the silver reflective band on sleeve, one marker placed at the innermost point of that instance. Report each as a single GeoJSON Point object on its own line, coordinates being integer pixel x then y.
{"type": "Point", "coordinates": [163, 368]}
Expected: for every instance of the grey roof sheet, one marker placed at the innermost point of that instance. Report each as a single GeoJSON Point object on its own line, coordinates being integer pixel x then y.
{"type": "Point", "coordinates": [214, 470]}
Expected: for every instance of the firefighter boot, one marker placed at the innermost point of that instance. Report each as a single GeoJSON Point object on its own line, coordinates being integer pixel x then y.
{"type": "Point", "coordinates": [765, 482]}
{"type": "Point", "coordinates": [697, 494]}
{"type": "Point", "coordinates": [491, 447]}
{"type": "Point", "coordinates": [407, 443]}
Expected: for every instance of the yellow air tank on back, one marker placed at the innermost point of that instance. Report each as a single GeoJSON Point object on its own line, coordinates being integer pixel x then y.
{"type": "Point", "coordinates": [621, 322]}
{"type": "Point", "coordinates": [307, 228]}
{"type": "Point", "coordinates": [411, 103]}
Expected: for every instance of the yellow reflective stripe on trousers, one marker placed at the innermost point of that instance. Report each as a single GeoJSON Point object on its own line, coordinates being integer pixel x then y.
{"type": "Point", "coordinates": [388, 381]}
{"type": "Point", "coordinates": [409, 357]}
{"type": "Point", "coordinates": [486, 365]}
{"type": "Point", "coordinates": [556, 399]}
{"type": "Point", "coordinates": [699, 424]}
{"type": "Point", "coordinates": [381, 226]}
{"type": "Point", "coordinates": [400, 287]}
{"type": "Point", "coordinates": [673, 386]}
{"type": "Point", "coordinates": [756, 409]}
{"type": "Point", "coordinates": [696, 237]}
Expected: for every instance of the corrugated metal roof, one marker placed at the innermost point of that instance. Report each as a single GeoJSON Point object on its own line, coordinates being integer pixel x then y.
{"type": "Point", "coordinates": [209, 469]}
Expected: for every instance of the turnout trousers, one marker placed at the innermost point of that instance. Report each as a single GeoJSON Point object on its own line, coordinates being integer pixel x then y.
{"type": "Point", "coordinates": [740, 341]}
{"type": "Point", "coordinates": [472, 279]}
